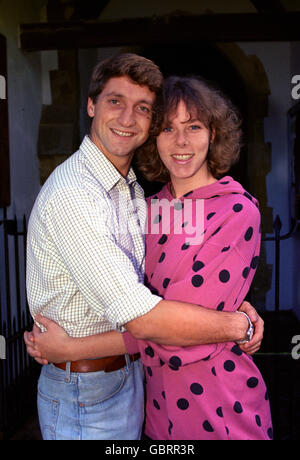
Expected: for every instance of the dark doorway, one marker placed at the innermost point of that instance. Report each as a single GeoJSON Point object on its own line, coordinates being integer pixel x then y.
{"type": "Point", "coordinates": [207, 61]}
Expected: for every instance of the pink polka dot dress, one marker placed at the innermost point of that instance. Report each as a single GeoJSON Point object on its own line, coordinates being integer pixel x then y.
{"type": "Point", "coordinates": [203, 248]}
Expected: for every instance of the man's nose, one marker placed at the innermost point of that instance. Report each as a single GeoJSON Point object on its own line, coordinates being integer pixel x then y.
{"type": "Point", "coordinates": [126, 117]}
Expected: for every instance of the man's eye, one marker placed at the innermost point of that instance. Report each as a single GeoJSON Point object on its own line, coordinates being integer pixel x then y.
{"type": "Point", "coordinates": [113, 101]}
{"type": "Point", "coordinates": [145, 109]}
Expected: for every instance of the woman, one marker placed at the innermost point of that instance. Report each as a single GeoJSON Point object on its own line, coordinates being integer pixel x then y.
{"type": "Point", "coordinates": [202, 247]}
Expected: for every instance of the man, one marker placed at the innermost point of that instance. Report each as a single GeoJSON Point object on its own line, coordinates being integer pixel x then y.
{"type": "Point", "coordinates": [86, 273]}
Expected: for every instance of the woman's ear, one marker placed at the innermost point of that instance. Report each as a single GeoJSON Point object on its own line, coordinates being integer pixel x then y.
{"type": "Point", "coordinates": [212, 136]}
{"type": "Point", "coordinates": [90, 108]}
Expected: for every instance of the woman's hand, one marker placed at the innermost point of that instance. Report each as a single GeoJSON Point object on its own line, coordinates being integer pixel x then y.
{"type": "Point", "coordinates": [254, 344]}
{"type": "Point", "coordinates": [54, 345]}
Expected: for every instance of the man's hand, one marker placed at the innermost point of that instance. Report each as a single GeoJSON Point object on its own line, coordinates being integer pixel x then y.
{"type": "Point", "coordinates": [254, 345]}
{"type": "Point", "coordinates": [50, 346]}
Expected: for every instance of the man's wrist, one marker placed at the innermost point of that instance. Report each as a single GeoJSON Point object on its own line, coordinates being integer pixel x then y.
{"type": "Point", "coordinates": [247, 336]}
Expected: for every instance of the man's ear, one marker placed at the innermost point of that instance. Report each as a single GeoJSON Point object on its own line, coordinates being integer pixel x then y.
{"type": "Point", "coordinates": [90, 108]}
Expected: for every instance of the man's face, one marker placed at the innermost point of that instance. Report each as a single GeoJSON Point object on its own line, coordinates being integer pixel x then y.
{"type": "Point", "coordinates": [121, 119]}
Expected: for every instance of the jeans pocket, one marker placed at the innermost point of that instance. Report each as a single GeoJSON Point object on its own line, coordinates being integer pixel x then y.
{"type": "Point", "coordinates": [48, 409]}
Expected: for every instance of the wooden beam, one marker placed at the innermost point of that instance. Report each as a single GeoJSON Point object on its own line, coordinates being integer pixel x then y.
{"type": "Point", "coordinates": [269, 6]}
{"type": "Point", "coordinates": [158, 30]}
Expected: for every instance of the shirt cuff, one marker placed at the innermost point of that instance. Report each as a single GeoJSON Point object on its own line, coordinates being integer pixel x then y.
{"type": "Point", "coordinates": [125, 309]}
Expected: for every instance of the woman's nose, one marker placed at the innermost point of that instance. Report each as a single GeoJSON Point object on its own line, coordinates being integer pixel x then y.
{"type": "Point", "coordinates": [181, 139]}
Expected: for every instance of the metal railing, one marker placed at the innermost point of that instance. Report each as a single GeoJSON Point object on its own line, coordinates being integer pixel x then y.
{"type": "Point", "coordinates": [18, 372]}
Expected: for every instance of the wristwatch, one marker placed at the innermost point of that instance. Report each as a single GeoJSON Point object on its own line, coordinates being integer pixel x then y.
{"type": "Point", "coordinates": [249, 333]}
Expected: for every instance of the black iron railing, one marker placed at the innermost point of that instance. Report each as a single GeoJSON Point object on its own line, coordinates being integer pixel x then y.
{"type": "Point", "coordinates": [18, 372]}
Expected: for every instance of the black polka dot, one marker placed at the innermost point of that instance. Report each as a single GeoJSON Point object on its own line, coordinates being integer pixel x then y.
{"type": "Point", "coordinates": [237, 407]}
{"type": "Point", "coordinates": [252, 382]}
{"type": "Point", "coordinates": [162, 239]}
{"type": "Point", "coordinates": [258, 420]}
{"type": "Point", "coordinates": [163, 394]}
{"type": "Point", "coordinates": [184, 224]}
{"type": "Point", "coordinates": [178, 205]}
{"type": "Point", "coordinates": [237, 207]}
{"type": "Point", "coordinates": [197, 280]}
{"type": "Point", "coordinates": [248, 234]}
{"type": "Point", "coordinates": [185, 246]}
{"type": "Point", "coordinates": [149, 371]}
{"type": "Point", "coordinates": [270, 433]}
{"type": "Point", "coordinates": [225, 182]}
{"type": "Point", "coordinates": [170, 426]}
{"type": "Point", "coordinates": [221, 306]}
{"type": "Point", "coordinates": [157, 219]}
{"type": "Point", "coordinates": [224, 276]}
{"type": "Point", "coordinates": [156, 405]}
{"type": "Point", "coordinates": [225, 249]}
{"type": "Point", "coordinates": [196, 389]}
{"type": "Point", "coordinates": [188, 193]}
{"type": "Point", "coordinates": [210, 215]}
{"type": "Point", "coordinates": [166, 282]}
{"type": "Point", "coordinates": [246, 194]}
{"type": "Point", "coordinates": [246, 272]}
{"type": "Point", "coordinates": [149, 351]}
{"type": "Point", "coordinates": [207, 426]}
{"type": "Point", "coordinates": [229, 365]}
{"type": "Point", "coordinates": [219, 411]}
{"type": "Point", "coordinates": [198, 265]}
{"type": "Point", "coordinates": [182, 404]}
{"type": "Point", "coordinates": [213, 371]}
{"type": "Point", "coordinates": [162, 257]}
{"type": "Point", "coordinates": [175, 361]}
{"type": "Point", "coordinates": [254, 262]}
{"type": "Point", "coordinates": [266, 396]}
{"type": "Point", "coordinates": [236, 350]}
{"type": "Point", "coordinates": [216, 231]}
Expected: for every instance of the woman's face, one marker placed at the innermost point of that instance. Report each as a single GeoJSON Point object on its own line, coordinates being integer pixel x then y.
{"type": "Point", "coordinates": [183, 146]}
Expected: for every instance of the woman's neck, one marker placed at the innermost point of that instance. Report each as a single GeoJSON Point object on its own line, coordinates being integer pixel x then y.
{"type": "Point", "coordinates": [180, 187]}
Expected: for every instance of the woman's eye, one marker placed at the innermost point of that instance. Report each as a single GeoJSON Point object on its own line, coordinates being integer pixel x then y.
{"type": "Point", "coordinates": [195, 127]}
{"type": "Point", "coordinates": [167, 130]}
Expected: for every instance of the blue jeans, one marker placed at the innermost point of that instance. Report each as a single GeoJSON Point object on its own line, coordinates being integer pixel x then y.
{"type": "Point", "coordinates": [93, 405]}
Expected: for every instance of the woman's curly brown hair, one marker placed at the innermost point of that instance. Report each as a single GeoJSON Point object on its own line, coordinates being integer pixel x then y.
{"type": "Point", "coordinates": [205, 103]}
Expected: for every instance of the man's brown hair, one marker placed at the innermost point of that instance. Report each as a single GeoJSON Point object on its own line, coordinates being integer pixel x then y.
{"type": "Point", "coordinates": [139, 69]}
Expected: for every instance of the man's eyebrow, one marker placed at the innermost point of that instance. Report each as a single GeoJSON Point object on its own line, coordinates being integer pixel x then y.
{"type": "Point", "coordinates": [115, 94]}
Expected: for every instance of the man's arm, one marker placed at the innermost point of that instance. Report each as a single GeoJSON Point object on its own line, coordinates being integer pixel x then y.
{"type": "Point", "coordinates": [184, 324]}
{"type": "Point", "coordinates": [56, 346]}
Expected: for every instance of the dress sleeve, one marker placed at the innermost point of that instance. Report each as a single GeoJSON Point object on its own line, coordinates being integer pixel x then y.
{"type": "Point", "coordinates": [218, 278]}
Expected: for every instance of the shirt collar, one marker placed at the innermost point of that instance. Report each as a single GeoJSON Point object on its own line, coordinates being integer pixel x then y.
{"type": "Point", "coordinates": [102, 168]}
